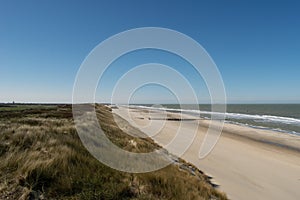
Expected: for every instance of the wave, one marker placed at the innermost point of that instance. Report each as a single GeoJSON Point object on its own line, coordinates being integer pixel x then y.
{"type": "Point", "coordinates": [269, 118]}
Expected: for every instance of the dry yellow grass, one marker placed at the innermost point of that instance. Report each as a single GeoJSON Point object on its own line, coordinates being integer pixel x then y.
{"type": "Point", "coordinates": [41, 157]}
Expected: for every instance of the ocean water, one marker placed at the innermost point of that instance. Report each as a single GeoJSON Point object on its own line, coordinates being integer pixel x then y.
{"type": "Point", "coordinates": [283, 118]}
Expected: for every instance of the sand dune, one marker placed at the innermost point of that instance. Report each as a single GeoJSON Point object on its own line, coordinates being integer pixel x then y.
{"type": "Point", "coordinates": [247, 163]}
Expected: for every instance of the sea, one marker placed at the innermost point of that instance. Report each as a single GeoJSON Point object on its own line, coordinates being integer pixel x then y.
{"type": "Point", "coordinates": [283, 118]}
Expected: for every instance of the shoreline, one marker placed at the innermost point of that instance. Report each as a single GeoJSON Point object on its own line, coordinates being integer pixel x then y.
{"type": "Point", "coordinates": [247, 163]}
{"type": "Point", "coordinates": [230, 121]}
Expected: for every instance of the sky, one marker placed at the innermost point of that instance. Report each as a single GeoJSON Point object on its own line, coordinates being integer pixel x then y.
{"type": "Point", "coordinates": [255, 45]}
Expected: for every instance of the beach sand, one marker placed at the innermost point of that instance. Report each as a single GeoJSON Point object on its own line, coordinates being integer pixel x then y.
{"type": "Point", "coordinates": [246, 163]}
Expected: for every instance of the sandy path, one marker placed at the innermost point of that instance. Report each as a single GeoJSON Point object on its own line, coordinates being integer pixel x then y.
{"type": "Point", "coordinates": [243, 165]}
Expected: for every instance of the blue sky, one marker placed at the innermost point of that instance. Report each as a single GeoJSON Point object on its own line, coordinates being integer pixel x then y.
{"type": "Point", "coordinates": [255, 44]}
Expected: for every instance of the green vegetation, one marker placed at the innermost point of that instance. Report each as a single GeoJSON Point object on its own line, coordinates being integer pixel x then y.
{"type": "Point", "coordinates": [42, 157]}
{"type": "Point", "coordinates": [19, 107]}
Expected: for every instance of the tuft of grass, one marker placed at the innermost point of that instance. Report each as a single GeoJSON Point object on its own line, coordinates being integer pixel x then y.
{"type": "Point", "coordinates": [42, 157]}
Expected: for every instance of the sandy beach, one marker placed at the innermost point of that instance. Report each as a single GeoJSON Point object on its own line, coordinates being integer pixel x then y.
{"type": "Point", "coordinates": [246, 163]}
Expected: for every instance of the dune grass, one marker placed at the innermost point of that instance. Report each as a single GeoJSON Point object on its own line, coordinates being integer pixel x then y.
{"type": "Point", "coordinates": [42, 157]}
